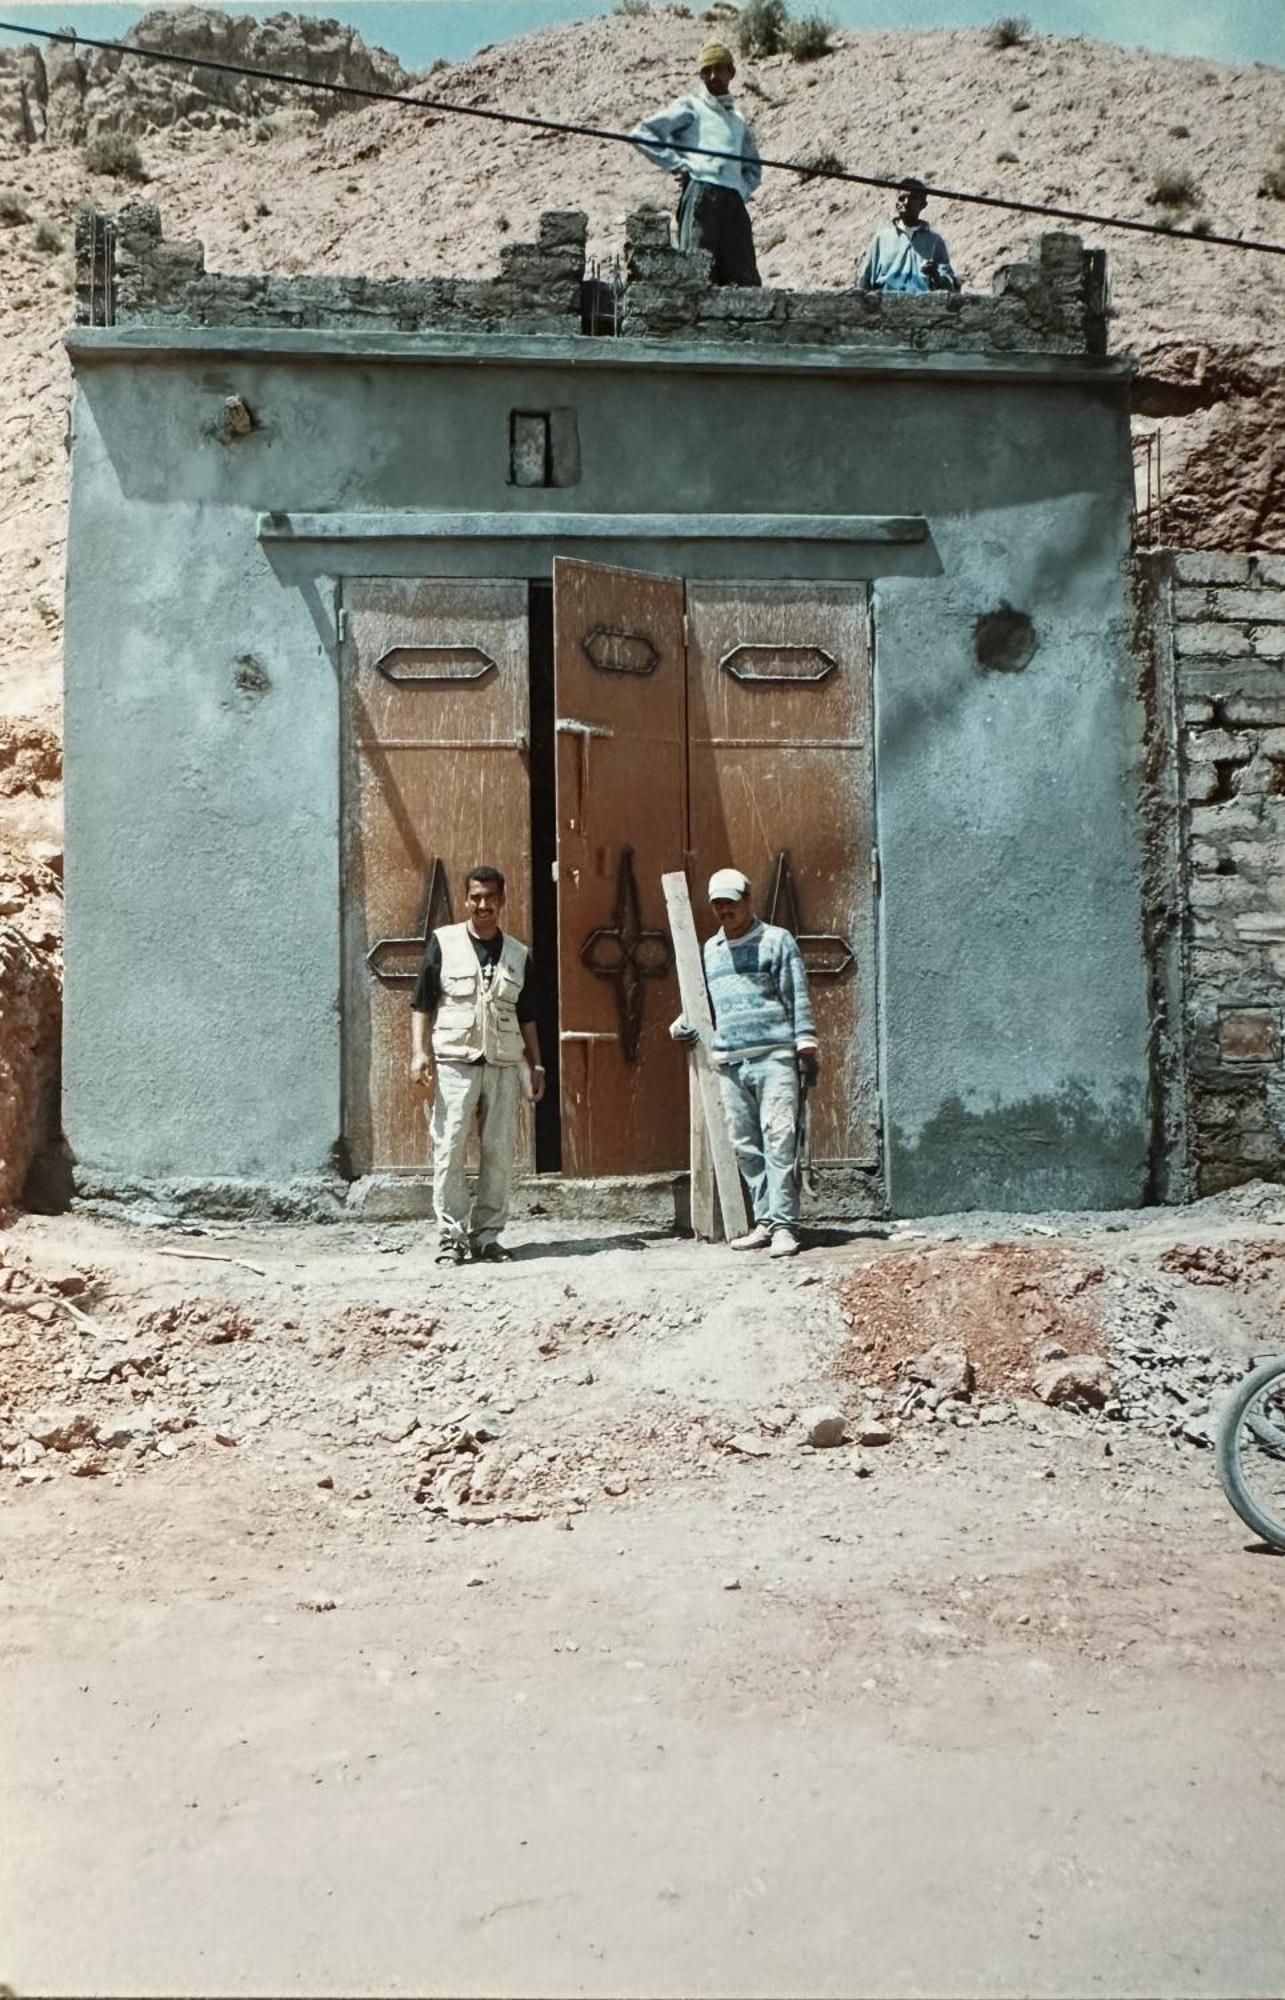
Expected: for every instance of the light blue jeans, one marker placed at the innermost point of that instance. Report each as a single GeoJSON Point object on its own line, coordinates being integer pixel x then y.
{"type": "Point", "coordinates": [761, 1099]}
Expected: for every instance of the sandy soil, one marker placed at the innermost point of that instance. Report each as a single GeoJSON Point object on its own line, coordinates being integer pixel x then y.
{"type": "Point", "coordinates": [656, 1698]}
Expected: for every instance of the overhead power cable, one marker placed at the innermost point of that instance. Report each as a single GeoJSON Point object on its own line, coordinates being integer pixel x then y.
{"type": "Point", "coordinates": [529, 120]}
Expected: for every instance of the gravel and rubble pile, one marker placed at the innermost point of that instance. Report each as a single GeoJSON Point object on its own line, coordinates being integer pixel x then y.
{"type": "Point", "coordinates": [502, 1401]}
{"type": "Point", "coordinates": [997, 1305]}
{"type": "Point", "coordinates": [985, 1333]}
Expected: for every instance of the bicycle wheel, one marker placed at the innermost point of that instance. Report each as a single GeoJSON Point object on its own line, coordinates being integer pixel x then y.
{"type": "Point", "coordinates": [1249, 1450]}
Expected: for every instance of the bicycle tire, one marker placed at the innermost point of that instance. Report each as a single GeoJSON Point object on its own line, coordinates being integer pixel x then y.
{"type": "Point", "coordinates": [1242, 1427]}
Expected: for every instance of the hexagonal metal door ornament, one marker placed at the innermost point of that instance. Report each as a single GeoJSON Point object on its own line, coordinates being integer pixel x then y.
{"type": "Point", "coordinates": [434, 666]}
{"type": "Point", "coordinates": [778, 666]}
{"type": "Point", "coordinates": [613, 652]}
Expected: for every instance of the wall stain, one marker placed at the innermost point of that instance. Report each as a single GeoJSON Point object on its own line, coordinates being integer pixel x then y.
{"type": "Point", "coordinates": [1061, 1151]}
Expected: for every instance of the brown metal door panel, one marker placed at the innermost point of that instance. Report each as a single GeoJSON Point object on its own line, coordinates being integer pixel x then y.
{"type": "Point", "coordinates": [435, 781]}
{"type": "Point", "coordinates": [621, 790]}
{"type": "Point", "coordinates": [781, 786]}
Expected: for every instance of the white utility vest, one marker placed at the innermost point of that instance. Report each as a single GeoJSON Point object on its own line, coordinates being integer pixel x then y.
{"type": "Point", "coordinates": [475, 1018]}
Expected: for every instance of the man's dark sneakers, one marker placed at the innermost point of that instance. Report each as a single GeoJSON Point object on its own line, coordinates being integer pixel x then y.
{"type": "Point", "coordinates": [494, 1253]}
{"type": "Point", "coordinates": [451, 1253]}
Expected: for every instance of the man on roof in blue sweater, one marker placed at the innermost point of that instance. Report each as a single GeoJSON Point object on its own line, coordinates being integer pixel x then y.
{"type": "Point", "coordinates": [764, 1038]}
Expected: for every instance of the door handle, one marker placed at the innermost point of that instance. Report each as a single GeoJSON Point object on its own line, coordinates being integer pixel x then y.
{"type": "Point", "coordinates": [584, 733]}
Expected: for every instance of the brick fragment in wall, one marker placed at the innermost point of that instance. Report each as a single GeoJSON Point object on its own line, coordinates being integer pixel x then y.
{"type": "Point", "coordinates": [1215, 1177]}
{"type": "Point", "coordinates": [1222, 893]}
{"type": "Point", "coordinates": [1228, 816]}
{"type": "Point", "coordinates": [563, 226]}
{"type": "Point", "coordinates": [1205, 746]}
{"type": "Point", "coordinates": [1197, 712]}
{"type": "Point", "coordinates": [1268, 642]}
{"type": "Point", "coordinates": [1210, 566]}
{"type": "Point", "coordinates": [1262, 606]}
{"type": "Point", "coordinates": [1243, 1152]}
{"type": "Point", "coordinates": [1202, 783]}
{"type": "Point", "coordinates": [1214, 930]}
{"type": "Point", "coordinates": [522, 264]}
{"type": "Point", "coordinates": [1249, 1035]}
{"type": "Point", "coordinates": [1235, 972]}
{"type": "Point", "coordinates": [1219, 679]}
{"type": "Point", "coordinates": [1254, 859]}
{"type": "Point", "coordinates": [1218, 642]}
{"type": "Point", "coordinates": [1250, 708]}
{"type": "Point", "coordinates": [734, 302]}
{"type": "Point", "coordinates": [1270, 569]}
{"type": "Point", "coordinates": [1219, 1110]}
{"type": "Point", "coordinates": [1260, 926]}
{"type": "Point", "coordinates": [1262, 775]}
{"type": "Point", "coordinates": [647, 228]}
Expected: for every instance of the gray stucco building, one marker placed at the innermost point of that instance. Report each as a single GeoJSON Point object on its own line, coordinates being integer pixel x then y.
{"type": "Point", "coordinates": [370, 581]}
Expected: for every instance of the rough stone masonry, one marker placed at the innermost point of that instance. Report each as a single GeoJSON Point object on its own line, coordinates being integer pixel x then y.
{"type": "Point", "coordinates": [1055, 303]}
{"type": "Point", "coordinates": [1221, 620]}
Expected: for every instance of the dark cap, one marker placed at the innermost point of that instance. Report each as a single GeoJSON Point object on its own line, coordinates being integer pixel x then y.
{"type": "Point", "coordinates": [911, 182]}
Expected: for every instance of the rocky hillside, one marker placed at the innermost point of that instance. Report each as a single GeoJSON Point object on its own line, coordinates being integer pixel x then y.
{"type": "Point", "coordinates": [60, 95]}
{"type": "Point", "coordinates": [384, 190]}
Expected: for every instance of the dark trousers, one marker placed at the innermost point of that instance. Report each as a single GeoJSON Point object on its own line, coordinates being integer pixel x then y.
{"type": "Point", "coordinates": [716, 219]}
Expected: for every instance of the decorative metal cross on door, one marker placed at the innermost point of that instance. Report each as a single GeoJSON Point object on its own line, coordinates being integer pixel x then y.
{"type": "Point", "coordinates": [825, 955]}
{"type": "Point", "coordinates": [623, 952]}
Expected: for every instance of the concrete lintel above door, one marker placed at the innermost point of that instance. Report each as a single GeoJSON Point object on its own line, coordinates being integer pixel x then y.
{"type": "Point", "coordinates": [831, 548]}
{"type": "Point", "coordinates": [396, 525]}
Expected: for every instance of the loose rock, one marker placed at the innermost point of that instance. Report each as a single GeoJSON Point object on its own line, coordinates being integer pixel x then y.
{"type": "Point", "coordinates": [824, 1425]}
{"type": "Point", "coordinates": [1076, 1382]}
{"type": "Point", "coordinates": [945, 1369]}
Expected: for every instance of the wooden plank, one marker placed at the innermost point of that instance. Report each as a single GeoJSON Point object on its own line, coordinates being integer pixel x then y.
{"type": "Point", "coordinates": [434, 771]}
{"type": "Point", "coordinates": [696, 1012]}
{"type": "Point", "coordinates": [621, 800]}
{"type": "Point", "coordinates": [779, 704]}
{"type": "Point", "coordinates": [702, 1194]}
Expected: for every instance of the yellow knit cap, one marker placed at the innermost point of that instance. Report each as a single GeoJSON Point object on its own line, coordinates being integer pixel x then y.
{"type": "Point", "coordinates": [715, 52]}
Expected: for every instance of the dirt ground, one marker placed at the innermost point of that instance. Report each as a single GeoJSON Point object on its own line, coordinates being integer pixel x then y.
{"type": "Point", "coordinates": [373, 1628]}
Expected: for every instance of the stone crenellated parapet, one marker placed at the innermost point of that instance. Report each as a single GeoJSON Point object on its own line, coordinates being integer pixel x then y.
{"type": "Point", "coordinates": [129, 273]}
{"type": "Point", "coordinates": [1054, 303]}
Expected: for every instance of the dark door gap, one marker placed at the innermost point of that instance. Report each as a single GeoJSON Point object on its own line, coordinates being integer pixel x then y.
{"type": "Point", "coordinates": [544, 889]}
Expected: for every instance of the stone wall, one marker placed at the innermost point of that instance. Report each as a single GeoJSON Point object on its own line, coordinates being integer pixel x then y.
{"type": "Point", "coordinates": [127, 272]}
{"type": "Point", "coordinates": [1055, 304]}
{"type": "Point", "coordinates": [1224, 620]}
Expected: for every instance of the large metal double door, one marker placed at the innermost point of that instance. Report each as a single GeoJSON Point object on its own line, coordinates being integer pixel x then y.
{"type": "Point", "coordinates": [696, 725]}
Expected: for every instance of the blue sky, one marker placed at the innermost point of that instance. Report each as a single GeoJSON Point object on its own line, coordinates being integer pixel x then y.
{"type": "Point", "coordinates": [421, 30]}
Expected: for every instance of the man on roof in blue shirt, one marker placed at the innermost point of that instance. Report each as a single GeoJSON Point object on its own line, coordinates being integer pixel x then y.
{"type": "Point", "coordinates": [906, 255]}
{"type": "Point", "coordinates": [764, 1041]}
{"type": "Point", "coordinates": [711, 213]}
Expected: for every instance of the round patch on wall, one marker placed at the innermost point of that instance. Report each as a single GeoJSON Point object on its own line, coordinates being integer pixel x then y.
{"type": "Point", "coordinates": [1004, 640]}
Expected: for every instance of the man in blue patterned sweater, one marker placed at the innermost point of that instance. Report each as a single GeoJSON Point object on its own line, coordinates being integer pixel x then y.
{"type": "Point", "coordinates": [764, 1039]}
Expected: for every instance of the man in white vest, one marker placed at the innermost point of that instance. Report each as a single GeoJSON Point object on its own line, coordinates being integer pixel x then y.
{"type": "Point", "coordinates": [474, 993]}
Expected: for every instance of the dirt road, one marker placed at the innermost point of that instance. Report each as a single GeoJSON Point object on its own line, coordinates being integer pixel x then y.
{"type": "Point", "coordinates": [640, 1693]}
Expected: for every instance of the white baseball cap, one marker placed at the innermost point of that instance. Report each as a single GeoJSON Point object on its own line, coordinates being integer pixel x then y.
{"type": "Point", "coordinates": [728, 885]}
